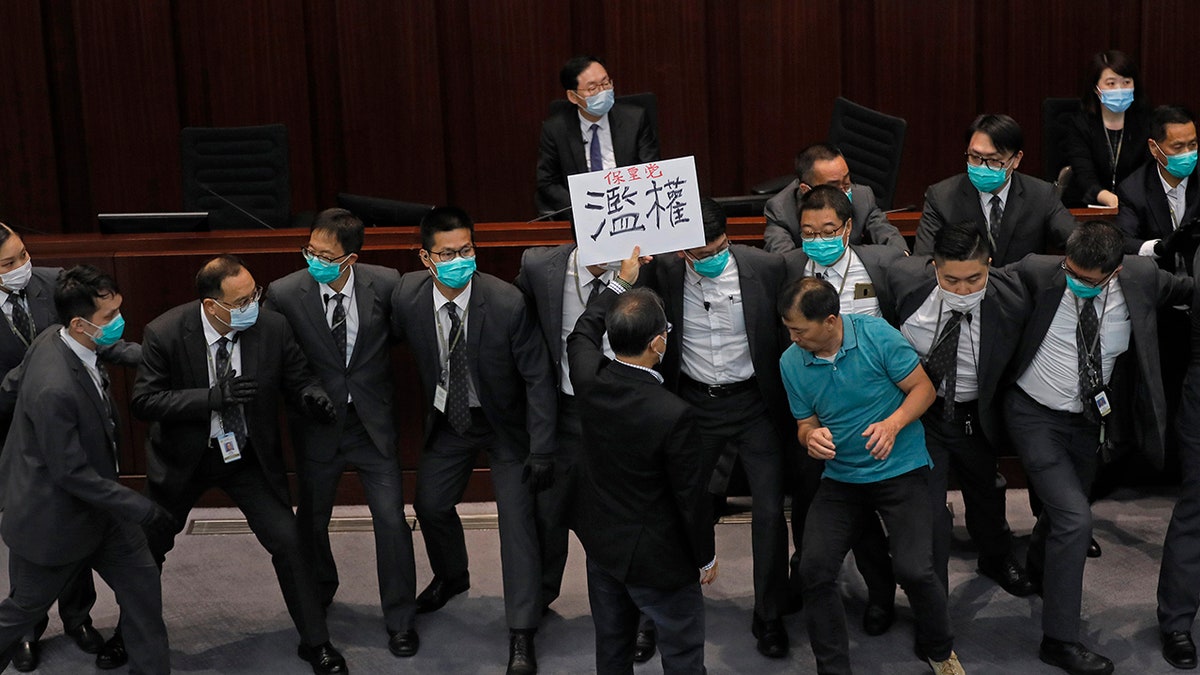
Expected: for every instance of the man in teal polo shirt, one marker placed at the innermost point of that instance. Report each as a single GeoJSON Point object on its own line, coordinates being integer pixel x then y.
{"type": "Point", "coordinates": [857, 391]}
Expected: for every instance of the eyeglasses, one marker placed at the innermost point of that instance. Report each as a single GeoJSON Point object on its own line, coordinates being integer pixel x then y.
{"type": "Point", "coordinates": [311, 255]}
{"type": "Point", "coordinates": [447, 255]}
{"type": "Point", "coordinates": [809, 235]}
{"type": "Point", "coordinates": [1086, 282]}
{"type": "Point", "coordinates": [594, 89]}
{"type": "Point", "coordinates": [254, 297]}
{"type": "Point", "coordinates": [993, 164]}
{"type": "Point", "coordinates": [668, 329]}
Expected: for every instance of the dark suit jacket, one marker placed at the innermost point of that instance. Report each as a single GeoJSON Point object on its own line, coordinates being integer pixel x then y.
{"type": "Point", "coordinates": [171, 393]}
{"type": "Point", "coordinates": [505, 355]}
{"type": "Point", "coordinates": [561, 152]}
{"type": "Point", "coordinates": [1034, 218]}
{"type": "Point", "coordinates": [875, 258]}
{"type": "Point", "coordinates": [1087, 148]}
{"type": "Point", "coordinates": [761, 276]}
{"type": "Point", "coordinates": [1001, 314]}
{"type": "Point", "coordinates": [1145, 213]}
{"type": "Point", "coordinates": [368, 377]}
{"type": "Point", "coordinates": [1139, 405]}
{"type": "Point", "coordinates": [59, 462]}
{"type": "Point", "coordinates": [783, 220]}
{"type": "Point", "coordinates": [644, 505]}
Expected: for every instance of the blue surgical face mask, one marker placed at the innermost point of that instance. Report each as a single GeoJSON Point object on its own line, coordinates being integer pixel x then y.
{"type": "Point", "coordinates": [713, 265]}
{"type": "Point", "coordinates": [824, 251]}
{"type": "Point", "coordinates": [323, 272]}
{"type": "Point", "coordinates": [985, 179]}
{"type": "Point", "coordinates": [600, 103]}
{"type": "Point", "coordinates": [1181, 165]}
{"type": "Point", "coordinates": [109, 332]}
{"type": "Point", "coordinates": [1082, 290]}
{"type": "Point", "coordinates": [245, 317]}
{"type": "Point", "coordinates": [456, 273]}
{"type": "Point", "coordinates": [1116, 100]}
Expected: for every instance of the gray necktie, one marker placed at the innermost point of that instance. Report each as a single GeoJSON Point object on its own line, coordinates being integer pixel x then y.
{"type": "Point", "coordinates": [458, 405]}
{"type": "Point", "coordinates": [20, 318]}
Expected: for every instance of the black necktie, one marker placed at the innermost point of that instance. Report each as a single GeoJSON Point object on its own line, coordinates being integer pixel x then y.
{"type": "Point", "coordinates": [232, 419]}
{"type": "Point", "coordinates": [996, 216]}
{"type": "Point", "coordinates": [1088, 347]}
{"type": "Point", "coordinates": [458, 405]}
{"type": "Point", "coordinates": [20, 317]}
{"type": "Point", "coordinates": [596, 162]}
{"type": "Point", "coordinates": [106, 396]}
{"type": "Point", "coordinates": [339, 324]}
{"type": "Point", "coordinates": [597, 287]}
{"type": "Point", "coordinates": [942, 363]}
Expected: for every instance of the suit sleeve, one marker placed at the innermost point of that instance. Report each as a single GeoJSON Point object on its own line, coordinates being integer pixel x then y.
{"type": "Point", "coordinates": [585, 343]}
{"type": "Point", "coordinates": [55, 428]}
{"type": "Point", "coordinates": [1059, 221]}
{"type": "Point", "coordinates": [690, 489]}
{"type": "Point", "coordinates": [1174, 290]}
{"type": "Point", "coordinates": [398, 331]}
{"type": "Point", "coordinates": [121, 353]}
{"type": "Point", "coordinates": [1129, 218]}
{"type": "Point", "coordinates": [931, 222]}
{"type": "Point", "coordinates": [647, 142]}
{"type": "Point", "coordinates": [881, 229]}
{"type": "Point", "coordinates": [1078, 145]}
{"type": "Point", "coordinates": [153, 397]}
{"type": "Point", "coordinates": [551, 180]}
{"type": "Point", "coordinates": [533, 363]}
{"type": "Point", "coordinates": [776, 238]}
{"type": "Point", "coordinates": [296, 375]}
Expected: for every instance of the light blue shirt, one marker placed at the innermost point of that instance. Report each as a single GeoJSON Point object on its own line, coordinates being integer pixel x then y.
{"type": "Point", "coordinates": [855, 390]}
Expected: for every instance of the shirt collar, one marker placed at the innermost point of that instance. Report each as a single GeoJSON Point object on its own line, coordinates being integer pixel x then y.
{"type": "Point", "coordinates": [347, 290]}
{"type": "Point", "coordinates": [657, 375]}
{"type": "Point", "coordinates": [211, 336]}
{"type": "Point", "coordinates": [1182, 187]}
{"type": "Point", "coordinates": [586, 126]}
{"type": "Point", "coordinates": [462, 301]}
{"type": "Point", "coordinates": [584, 275]}
{"type": "Point", "coordinates": [86, 355]}
{"type": "Point", "coordinates": [1002, 194]}
{"type": "Point", "coordinates": [849, 341]}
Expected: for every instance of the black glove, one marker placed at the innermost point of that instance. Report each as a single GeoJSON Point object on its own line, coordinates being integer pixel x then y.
{"type": "Point", "coordinates": [159, 522]}
{"type": "Point", "coordinates": [1183, 240]}
{"type": "Point", "coordinates": [538, 472]}
{"type": "Point", "coordinates": [232, 390]}
{"type": "Point", "coordinates": [318, 404]}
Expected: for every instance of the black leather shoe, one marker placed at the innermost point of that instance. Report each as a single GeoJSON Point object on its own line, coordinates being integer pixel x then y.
{"type": "Point", "coordinates": [1008, 573]}
{"type": "Point", "coordinates": [438, 593]}
{"type": "Point", "coordinates": [1179, 650]}
{"type": "Point", "coordinates": [1073, 658]}
{"type": "Point", "coordinates": [878, 619]}
{"type": "Point", "coordinates": [87, 638]}
{"type": "Point", "coordinates": [772, 637]}
{"type": "Point", "coordinates": [324, 659]}
{"type": "Point", "coordinates": [404, 644]}
{"type": "Point", "coordinates": [112, 654]}
{"type": "Point", "coordinates": [645, 645]}
{"type": "Point", "coordinates": [1094, 549]}
{"type": "Point", "coordinates": [25, 656]}
{"type": "Point", "coordinates": [521, 657]}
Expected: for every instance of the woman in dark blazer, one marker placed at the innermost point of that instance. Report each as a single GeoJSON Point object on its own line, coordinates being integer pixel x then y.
{"type": "Point", "coordinates": [1106, 140]}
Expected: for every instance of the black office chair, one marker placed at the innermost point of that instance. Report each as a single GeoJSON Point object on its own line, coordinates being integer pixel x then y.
{"type": "Point", "coordinates": [872, 143]}
{"type": "Point", "coordinates": [1056, 114]}
{"type": "Point", "coordinates": [378, 212]}
{"type": "Point", "coordinates": [647, 101]}
{"type": "Point", "coordinates": [239, 175]}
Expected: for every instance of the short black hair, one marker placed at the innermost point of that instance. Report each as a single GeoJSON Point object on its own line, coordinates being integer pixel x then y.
{"type": "Point", "coordinates": [1122, 64]}
{"type": "Point", "coordinates": [215, 272]}
{"type": "Point", "coordinates": [5, 233]}
{"type": "Point", "coordinates": [633, 321]}
{"type": "Point", "coordinates": [817, 152]}
{"type": "Point", "coordinates": [77, 292]}
{"type": "Point", "coordinates": [568, 77]}
{"type": "Point", "coordinates": [1168, 114]}
{"type": "Point", "coordinates": [961, 241]}
{"type": "Point", "coordinates": [714, 219]}
{"type": "Point", "coordinates": [1096, 245]}
{"type": "Point", "coordinates": [825, 197]}
{"type": "Point", "coordinates": [1003, 130]}
{"type": "Point", "coordinates": [444, 219]}
{"type": "Point", "coordinates": [814, 298]}
{"type": "Point", "coordinates": [346, 227]}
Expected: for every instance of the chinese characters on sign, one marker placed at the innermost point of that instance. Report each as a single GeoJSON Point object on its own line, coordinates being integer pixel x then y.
{"type": "Point", "coordinates": [654, 205]}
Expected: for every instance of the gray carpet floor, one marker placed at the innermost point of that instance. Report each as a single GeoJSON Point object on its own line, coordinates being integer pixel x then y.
{"type": "Point", "coordinates": [225, 613]}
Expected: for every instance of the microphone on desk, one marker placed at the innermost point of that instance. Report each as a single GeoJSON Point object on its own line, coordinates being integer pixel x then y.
{"type": "Point", "coordinates": [244, 212]}
{"type": "Point", "coordinates": [908, 207]}
{"type": "Point", "coordinates": [545, 216]}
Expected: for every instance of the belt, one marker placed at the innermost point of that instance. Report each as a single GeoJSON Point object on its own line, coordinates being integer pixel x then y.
{"type": "Point", "coordinates": [719, 390]}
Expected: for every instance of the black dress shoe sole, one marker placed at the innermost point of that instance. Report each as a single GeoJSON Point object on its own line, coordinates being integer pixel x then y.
{"type": "Point", "coordinates": [1180, 661]}
{"type": "Point", "coordinates": [1062, 663]}
{"type": "Point", "coordinates": [109, 658]}
{"type": "Point", "coordinates": [404, 648]}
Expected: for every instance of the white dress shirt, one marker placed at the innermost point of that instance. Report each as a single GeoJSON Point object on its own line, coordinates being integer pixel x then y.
{"type": "Point", "coordinates": [714, 348]}
{"type": "Point", "coordinates": [921, 329]}
{"type": "Point", "coordinates": [607, 157]}
{"type": "Point", "coordinates": [1052, 378]}
{"type": "Point", "coordinates": [845, 274]}
{"type": "Point", "coordinates": [211, 338]}
{"type": "Point", "coordinates": [577, 286]}
{"type": "Point", "coordinates": [441, 323]}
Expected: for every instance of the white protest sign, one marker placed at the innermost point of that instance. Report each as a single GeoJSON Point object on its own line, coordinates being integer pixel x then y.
{"type": "Point", "coordinates": [655, 205]}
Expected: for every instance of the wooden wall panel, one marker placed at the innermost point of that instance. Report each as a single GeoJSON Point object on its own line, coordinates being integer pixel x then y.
{"type": "Point", "coordinates": [129, 111]}
{"type": "Point", "coordinates": [246, 63]}
{"type": "Point", "coordinates": [29, 194]}
{"type": "Point", "coordinates": [1169, 58]}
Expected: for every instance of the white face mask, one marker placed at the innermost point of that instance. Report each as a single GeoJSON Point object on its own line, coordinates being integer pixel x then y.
{"type": "Point", "coordinates": [17, 279]}
{"type": "Point", "coordinates": [963, 303]}
{"type": "Point", "coordinates": [661, 354]}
